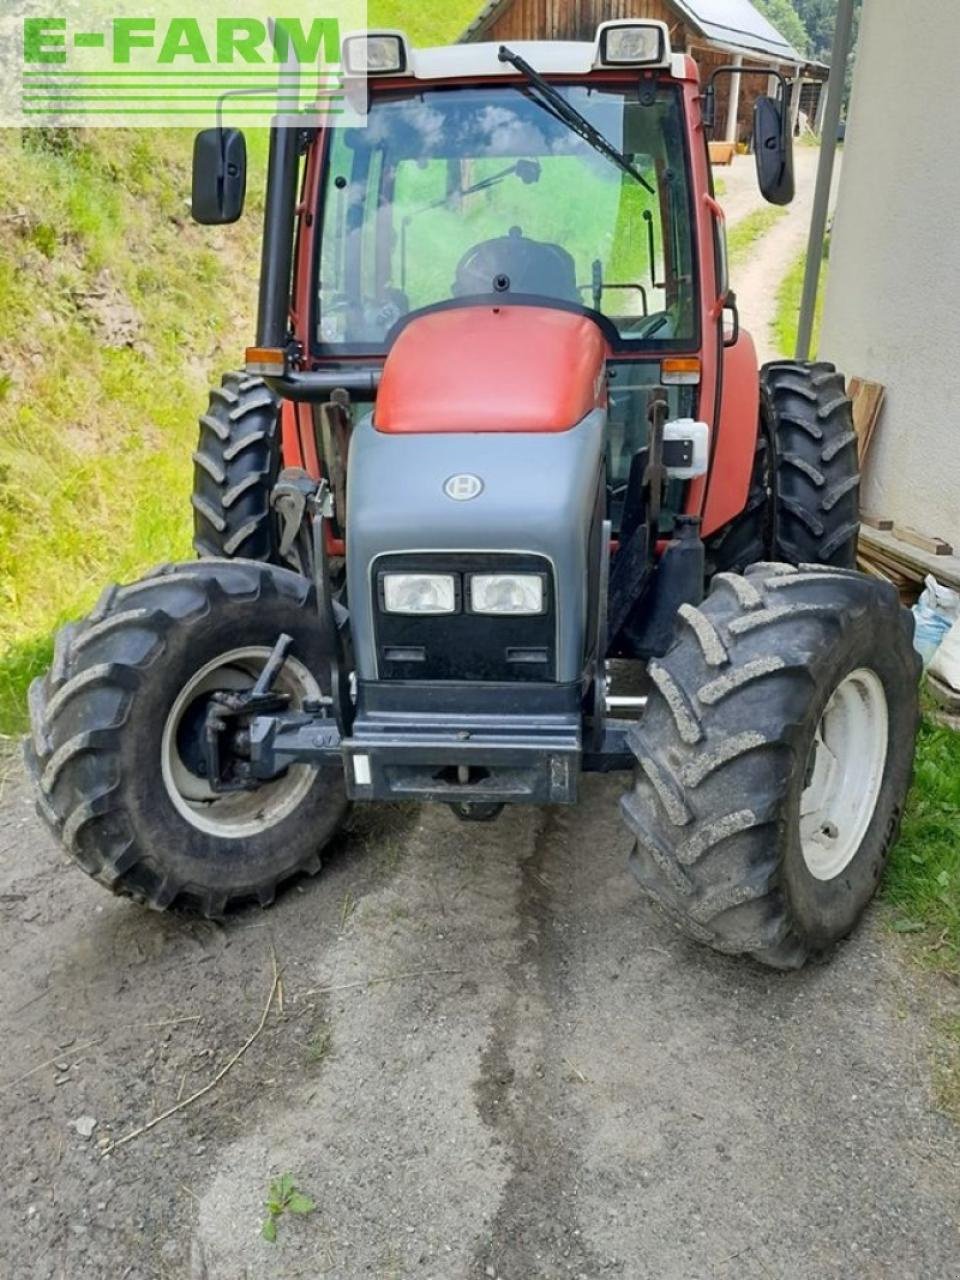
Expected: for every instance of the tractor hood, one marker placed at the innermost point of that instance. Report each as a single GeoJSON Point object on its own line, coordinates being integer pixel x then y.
{"type": "Point", "coordinates": [528, 493]}
{"type": "Point", "coordinates": [483, 367]}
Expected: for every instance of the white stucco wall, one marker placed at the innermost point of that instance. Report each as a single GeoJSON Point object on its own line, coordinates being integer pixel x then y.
{"type": "Point", "coordinates": [893, 292]}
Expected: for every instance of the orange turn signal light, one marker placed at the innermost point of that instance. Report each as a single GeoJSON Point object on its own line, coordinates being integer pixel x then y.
{"type": "Point", "coordinates": [267, 361]}
{"type": "Point", "coordinates": [680, 371]}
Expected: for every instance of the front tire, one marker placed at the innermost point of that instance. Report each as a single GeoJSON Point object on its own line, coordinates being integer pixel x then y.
{"type": "Point", "coordinates": [774, 759]}
{"type": "Point", "coordinates": [117, 721]}
{"type": "Point", "coordinates": [802, 507]}
{"type": "Point", "coordinates": [235, 468]}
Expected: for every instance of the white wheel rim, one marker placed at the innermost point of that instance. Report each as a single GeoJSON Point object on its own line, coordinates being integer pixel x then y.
{"type": "Point", "coordinates": [844, 774]}
{"type": "Point", "coordinates": [235, 815]}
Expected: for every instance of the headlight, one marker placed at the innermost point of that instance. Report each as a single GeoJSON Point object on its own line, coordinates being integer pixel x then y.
{"type": "Point", "coordinates": [419, 592]}
{"type": "Point", "coordinates": [506, 593]}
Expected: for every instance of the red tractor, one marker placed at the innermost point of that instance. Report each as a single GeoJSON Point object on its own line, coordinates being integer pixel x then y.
{"type": "Point", "coordinates": [502, 431]}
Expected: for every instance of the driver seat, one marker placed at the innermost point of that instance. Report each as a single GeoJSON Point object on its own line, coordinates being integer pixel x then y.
{"type": "Point", "coordinates": [532, 267]}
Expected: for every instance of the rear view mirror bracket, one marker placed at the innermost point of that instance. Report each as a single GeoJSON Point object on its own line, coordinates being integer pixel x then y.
{"type": "Point", "coordinates": [772, 133]}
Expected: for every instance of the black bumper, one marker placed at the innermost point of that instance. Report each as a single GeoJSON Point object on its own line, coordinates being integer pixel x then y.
{"type": "Point", "coordinates": [518, 745]}
{"type": "Point", "coordinates": [481, 761]}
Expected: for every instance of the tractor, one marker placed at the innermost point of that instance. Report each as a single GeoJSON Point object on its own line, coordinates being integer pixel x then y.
{"type": "Point", "coordinates": [502, 445]}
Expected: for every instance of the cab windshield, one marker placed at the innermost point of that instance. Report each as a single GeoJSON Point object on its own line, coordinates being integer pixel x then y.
{"type": "Point", "coordinates": [482, 192]}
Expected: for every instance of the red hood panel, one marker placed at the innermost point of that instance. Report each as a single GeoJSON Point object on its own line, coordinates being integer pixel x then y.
{"type": "Point", "coordinates": [510, 368]}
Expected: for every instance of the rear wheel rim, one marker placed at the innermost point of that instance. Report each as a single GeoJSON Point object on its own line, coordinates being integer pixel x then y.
{"type": "Point", "coordinates": [242, 814]}
{"type": "Point", "coordinates": [844, 776]}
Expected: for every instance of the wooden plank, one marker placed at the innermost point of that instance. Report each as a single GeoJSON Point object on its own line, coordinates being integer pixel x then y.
{"type": "Point", "coordinates": [946, 568]}
{"type": "Point", "coordinates": [891, 570]}
{"type": "Point", "coordinates": [876, 522]}
{"type": "Point", "coordinates": [932, 545]}
{"type": "Point", "coordinates": [868, 398]}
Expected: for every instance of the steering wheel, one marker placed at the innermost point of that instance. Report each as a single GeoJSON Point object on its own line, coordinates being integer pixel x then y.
{"type": "Point", "coordinates": [369, 316]}
{"type": "Point", "coordinates": [515, 264]}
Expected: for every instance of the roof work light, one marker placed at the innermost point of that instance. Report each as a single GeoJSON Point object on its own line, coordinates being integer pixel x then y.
{"type": "Point", "coordinates": [378, 53]}
{"type": "Point", "coordinates": [633, 44]}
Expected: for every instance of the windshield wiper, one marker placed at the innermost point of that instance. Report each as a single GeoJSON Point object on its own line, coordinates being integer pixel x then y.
{"type": "Point", "coordinates": [550, 100]}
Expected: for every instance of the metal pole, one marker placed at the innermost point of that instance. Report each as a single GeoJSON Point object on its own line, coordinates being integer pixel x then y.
{"type": "Point", "coordinates": [842, 38]}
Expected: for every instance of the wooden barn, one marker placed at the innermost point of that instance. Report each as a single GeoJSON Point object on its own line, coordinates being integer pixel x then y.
{"type": "Point", "coordinates": [714, 32]}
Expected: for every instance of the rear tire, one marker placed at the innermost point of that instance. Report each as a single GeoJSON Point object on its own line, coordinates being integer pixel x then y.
{"type": "Point", "coordinates": [102, 721]}
{"type": "Point", "coordinates": [803, 502]}
{"type": "Point", "coordinates": [235, 469]}
{"type": "Point", "coordinates": [759, 830]}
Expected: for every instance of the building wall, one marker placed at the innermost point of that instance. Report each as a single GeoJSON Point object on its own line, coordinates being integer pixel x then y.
{"type": "Point", "coordinates": [574, 19]}
{"type": "Point", "coordinates": [893, 296]}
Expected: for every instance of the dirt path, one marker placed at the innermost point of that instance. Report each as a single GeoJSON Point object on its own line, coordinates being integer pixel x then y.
{"type": "Point", "coordinates": [757, 280]}
{"type": "Point", "coordinates": [554, 1085]}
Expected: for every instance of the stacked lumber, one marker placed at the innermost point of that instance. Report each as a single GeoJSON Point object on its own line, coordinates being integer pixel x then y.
{"type": "Point", "coordinates": [898, 554]}
{"type": "Point", "coordinates": [887, 569]}
{"type": "Point", "coordinates": [893, 552]}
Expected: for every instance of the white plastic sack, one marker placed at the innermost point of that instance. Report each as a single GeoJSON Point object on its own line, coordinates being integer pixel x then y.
{"type": "Point", "coordinates": [935, 612]}
{"type": "Point", "coordinates": [946, 661]}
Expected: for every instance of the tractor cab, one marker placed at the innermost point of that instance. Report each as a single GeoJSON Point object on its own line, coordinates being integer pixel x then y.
{"type": "Point", "coordinates": [469, 197]}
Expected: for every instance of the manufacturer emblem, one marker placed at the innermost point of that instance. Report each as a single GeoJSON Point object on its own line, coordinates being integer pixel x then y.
{"type": "Point", "coordinates": [463, 488]}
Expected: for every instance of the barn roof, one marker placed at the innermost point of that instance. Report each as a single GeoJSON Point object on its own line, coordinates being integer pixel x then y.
{"type": "Point", "coordinates": [739, 25]}
{"type": "Point", "coordinates": [735, 24]}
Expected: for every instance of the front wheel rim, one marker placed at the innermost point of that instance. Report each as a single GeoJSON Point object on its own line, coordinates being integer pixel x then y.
{"type": "Point", "coordinates": [243, 814]}
{"type": "Point", "coordinates": [845, 769]}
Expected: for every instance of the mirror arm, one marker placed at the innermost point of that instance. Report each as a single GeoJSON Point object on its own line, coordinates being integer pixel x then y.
{"type": "Point", "coordinates": [709, 96]}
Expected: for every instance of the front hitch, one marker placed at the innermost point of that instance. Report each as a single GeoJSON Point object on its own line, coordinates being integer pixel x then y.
{"type": "Point", "coordinates": [231, 770]}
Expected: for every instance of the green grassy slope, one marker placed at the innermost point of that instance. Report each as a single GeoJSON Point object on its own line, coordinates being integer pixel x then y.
{"type": "Point", "coordinates": [116, 311]}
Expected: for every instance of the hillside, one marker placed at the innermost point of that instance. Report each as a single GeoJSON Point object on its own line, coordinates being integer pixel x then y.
{"type": "Point", "coordinates": [116, 311]}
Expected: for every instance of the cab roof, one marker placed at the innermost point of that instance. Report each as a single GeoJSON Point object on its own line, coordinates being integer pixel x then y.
{"type": "Point", "coordinates": [549, 57]}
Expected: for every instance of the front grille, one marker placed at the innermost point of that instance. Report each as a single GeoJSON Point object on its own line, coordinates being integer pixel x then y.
{"type": "Point", "coordinates": [466, 646]}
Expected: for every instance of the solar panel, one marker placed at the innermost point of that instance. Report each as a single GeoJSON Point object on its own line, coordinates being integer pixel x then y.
{"type": "Point", "coordinates": [738, 23]}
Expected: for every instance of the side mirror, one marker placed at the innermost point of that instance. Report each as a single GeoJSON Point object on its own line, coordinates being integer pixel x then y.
{"type": "Point", "coordinates": [773, 146]}
{"type": "Point", "coordinates": [709, 108]}
{"type": "Point", "coordinates": [219, 176]}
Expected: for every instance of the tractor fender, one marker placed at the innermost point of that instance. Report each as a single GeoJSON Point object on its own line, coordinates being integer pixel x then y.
{"type": "Point", "coordinates": [735, 436]}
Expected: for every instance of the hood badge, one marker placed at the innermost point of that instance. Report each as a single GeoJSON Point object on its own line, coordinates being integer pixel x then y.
{"type": "Point", "coordinates": [463, 487]}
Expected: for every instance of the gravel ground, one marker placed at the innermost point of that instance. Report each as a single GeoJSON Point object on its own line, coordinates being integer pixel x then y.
{"type": "Point", "coordinates": [552, 1083]}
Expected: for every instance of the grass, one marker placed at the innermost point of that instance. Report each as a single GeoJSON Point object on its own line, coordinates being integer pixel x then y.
{"type": "Point", "coordinates": [283, 1197]}
{"type": "Point", "coordinates": [789, 296]}
{"type": "Point", "coordinates": [103, 350]}
{"type": "Point", "coordinates": [923, 879]}
{"type": "Point", "coordinates": [425, 21]}
{"type": "Point", "coordinates": [922, 887]}
{"type": "Point", "coordinates": [743, 235]}
{"type": "Point", "coordinates": [319, 1045]}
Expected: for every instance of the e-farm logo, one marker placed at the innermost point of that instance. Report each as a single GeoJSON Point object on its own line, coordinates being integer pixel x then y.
{"type": "Point", "coordinates": [102, 63]}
